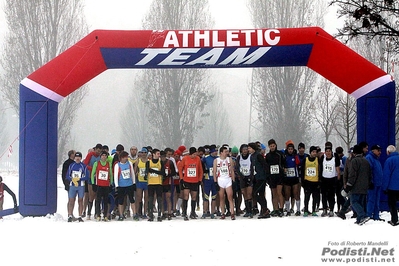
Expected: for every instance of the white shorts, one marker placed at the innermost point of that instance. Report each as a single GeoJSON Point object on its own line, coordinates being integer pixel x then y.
{"type": "Point", "coordinates": [224, 182]}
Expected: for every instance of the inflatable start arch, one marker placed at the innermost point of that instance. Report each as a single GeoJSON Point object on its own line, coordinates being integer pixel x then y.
{"type": "Point", "coordinates": [42, 90]}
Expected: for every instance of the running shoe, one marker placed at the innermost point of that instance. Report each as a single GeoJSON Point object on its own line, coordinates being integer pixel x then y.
{"type": "Point", "coordinates": [393, 224]}
{"type": "Point", "coordinates": [120, 218]}
{"type": "Point", "coordinates": [80, 220]}
{"type": "Point", "coordinates": [203, 216]}
{"type": "Point", "coordinates": [305, 214]}
{"type": "Point", "coordinates": [70, 219]}
{"type": "Point", "coordinates": [233, 217]}
{"type": "Point", "coordinates": [314, 214]}
{"type": "Point", "coordinates": [340, 215]}
{"type": "Point", "coordinates": [106, 219]}
{"type": "Point", "coordinates": [298, 213]}
{"type": "Point", "coordinates": [212, 216]}
{"type": "Point", "coordinates": [331, 214]}
{"type": "Point", "coordinates": [223, 217]}
{"type": "Point", "coordinates": [159, 219]}
{"type": "Point", "coordinates": [364, 220]}
{"type": "Point", "coordinates": [98, 218]}
{"type": "Point", "coordinates": [193, 215]}
{"type": "Point", "coordinates": [136, 217]}
{"type": "Point", "coordinates": [185, 218]}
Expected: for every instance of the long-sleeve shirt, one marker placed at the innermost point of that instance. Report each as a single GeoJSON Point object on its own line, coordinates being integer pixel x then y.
{"type": "Point", "coordinates": [4, 187]}
{"type": "Point", "coordinates": [190, 169]}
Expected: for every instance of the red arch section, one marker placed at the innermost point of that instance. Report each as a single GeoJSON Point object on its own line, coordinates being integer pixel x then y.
{"type": "Point", "coordinates": [311, 46]}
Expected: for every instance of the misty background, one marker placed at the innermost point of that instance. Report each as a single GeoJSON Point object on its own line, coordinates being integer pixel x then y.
{"type": "Point", "coordinates": [104, 111]}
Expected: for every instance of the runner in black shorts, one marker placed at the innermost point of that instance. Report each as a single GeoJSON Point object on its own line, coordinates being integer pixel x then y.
{"type": "Point", "coordinates": [244, 168]}
{"type": "Point", "coordinates": [275, 174]}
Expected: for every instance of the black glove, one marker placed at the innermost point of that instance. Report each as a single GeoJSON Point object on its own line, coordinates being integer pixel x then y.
{"type": "Point", "coordinates": [348, 188]}
{"type": "Point", "coordinates": [94, 187]}
{"type": "Point", "coordinates": [371, 185]}
{"type": "Point", "coordinates": [217, 186]}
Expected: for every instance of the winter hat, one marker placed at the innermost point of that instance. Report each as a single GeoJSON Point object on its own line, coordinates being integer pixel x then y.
{"type": "Point", "coordinates": [78, 154]}
{"type": "Point", "coordinates": [376, 147]}
{"type": "Point", "coordinates": [271, 141]}
{"type": "Point", "coordinates": [289, 143]}
{"type": "Point", "coordinates": [312, 148]}
{"type": "Point", "coordinates": [263, 146]}
{"type": "Point", "coordinates": [182, 148]}
{"type": "Point", "coordinates": [301, 145]}
{"type": "Point", "coordinates": [234, 150]}
{"type": "Point", "coordinates": [177, 152]}
{"type": "Point", "coordinates": [253, 146]}
{"type": "Point", "coordinates": [144, 150]}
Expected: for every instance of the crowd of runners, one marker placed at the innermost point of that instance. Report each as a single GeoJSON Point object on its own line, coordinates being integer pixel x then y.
{"type": "Point", "coordinates": [139, 183]}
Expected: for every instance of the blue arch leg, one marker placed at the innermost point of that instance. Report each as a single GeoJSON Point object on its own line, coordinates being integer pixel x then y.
{"type": "Point", "coordinates": [37, 154]}
{"type": "Point", "coordinates": [376, 122]}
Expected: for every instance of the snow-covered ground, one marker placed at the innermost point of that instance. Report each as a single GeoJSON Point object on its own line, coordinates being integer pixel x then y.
{"type": "Point", "coordinates": [292, 240]}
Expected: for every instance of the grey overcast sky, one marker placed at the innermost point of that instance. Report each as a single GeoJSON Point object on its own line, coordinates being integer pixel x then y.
{"type": "Point", "coordinates": [108, 89]}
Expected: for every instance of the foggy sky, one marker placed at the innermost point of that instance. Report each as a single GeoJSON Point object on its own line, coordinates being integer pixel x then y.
{"type": "Point", "coordinates": [108, 92]}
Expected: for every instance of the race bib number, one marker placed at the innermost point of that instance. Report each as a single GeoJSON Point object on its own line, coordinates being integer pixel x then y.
{"type": "Point", "coordinates": [154, 174]}
{"type": "Point", "coordinates": [191, 172]}
{"type": "Point", "coordinates": [224, 170]}
{"type": "Point", "coordinates": [125, 174]}
{"type": "Point", "coordinates": [328, 168]}
{"type": "Point", "coordinates": [211, 171]}
{"type": "Point", "coordinates": [274, 169]}
{"type": "Point", "coordinates": [142, 171]}
{"type": "Point", "coordinates": [76, 174]}
{"type": "Point", "coordinates": [103, 175]}
{"type": "Point", "coordinates": [311, 171]}
{"type": "Point", "coordinates": [244, 170]}
{"type": "Point", "coordinates": [290, 172]}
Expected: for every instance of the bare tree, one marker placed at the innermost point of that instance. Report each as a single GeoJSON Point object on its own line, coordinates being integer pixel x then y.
{"type": "Point", "coordinates": [345, 122]}
{"type": "Point", "coordinates": [38, 31]}
{"type": "Point", "coordinates": [325, 107]}
{"type": "Point", "coordinates": [134, 123]}
{"type": "Point", "coordinates": [373, 19]}
{"type": "Point", "coordinates": [176, 98]}
{"type": "Point", "coordinates": [3, 129]}
{"type": "Point", "coordinates": [283, 95]}
{"type": "Point", "coordinates": [216, 126]}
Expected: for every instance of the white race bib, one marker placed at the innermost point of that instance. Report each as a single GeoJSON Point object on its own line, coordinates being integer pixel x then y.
{"type": "Point", "coordinates": [103, 175]}
{"type": "Point", "coordinates": [274, 169]}
{"type": "Point", "coordinates": [244, 170]}
{"type": "Point", "coordinates": [154, 174]}
{"type": "Point", "coordinates": [125, 174]}
{"type": "Point", "coordinates": [290, 172]}
{"type": "Point", "coordinates": [191, 172]}
{"type": "Point", "coordinates": [311, 171]}
{"type": "Point", "coordinates": [328, 168]}
{"type": "Point", "coordinates": [142, 171]}
{"type": "Point", "coordinates": [224, 170]}
{"type": "Point", "coordinates": [211, 171]}
{"type": "Point", "coordinates": [76, 174]}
